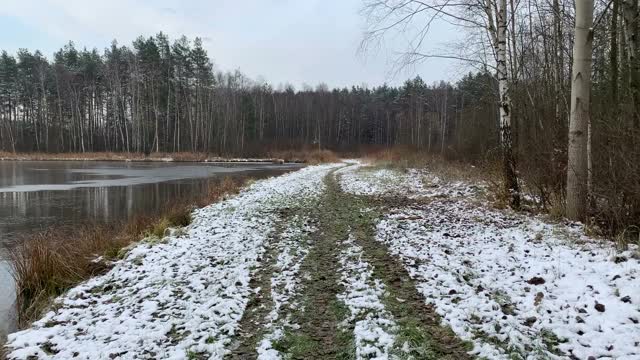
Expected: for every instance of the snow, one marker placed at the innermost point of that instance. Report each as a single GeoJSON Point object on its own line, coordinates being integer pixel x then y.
{"type": "Point", "coordinates": [374, 330]}
{"type": "Point", "coordinates": [515, 285]}
{"type": "Point", "coordinates": [285, 283]}
{"type": "Point", "coordinates": [183, 295]}
{"type": "Point", "coordinates": [362, 179]}
{"type": "Point", "coordinates": [475, 265]}
{"type": "Point", "coordinates": [365, 180]}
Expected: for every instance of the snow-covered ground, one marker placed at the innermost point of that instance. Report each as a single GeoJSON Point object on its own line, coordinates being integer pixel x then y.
{"type": "Point", "coordinates": [285, 284]}
{"type": "Point", "coordinates": [529, 285]}
{"type": "Point", "coordinates": [374, 328]}
{"type": "Point", "coordinates": [515, 285]}
{"type": "Point", "coordinates": [511, 283]}
{"type": "Point", "coordinates": [361, 179]}
{"type": "Point", "coordinates": [180, 297]}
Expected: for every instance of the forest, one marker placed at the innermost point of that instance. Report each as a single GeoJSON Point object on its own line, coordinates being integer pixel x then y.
{"type": "Point", "coordinates": [163, 95]}
{"type": "Point", "coordinates": [159, 96]}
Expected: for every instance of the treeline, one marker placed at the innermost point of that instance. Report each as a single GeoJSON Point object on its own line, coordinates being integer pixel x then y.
{"type": "Point", "coordinates": [158, 96]}
{"type": "Point", "coordinates": [163, 96]}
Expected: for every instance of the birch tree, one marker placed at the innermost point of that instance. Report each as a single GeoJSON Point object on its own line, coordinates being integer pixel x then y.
{"type": "Point", "coordinates": [490, 18]}
{"type": "Point", "coordinates": [577, 174]}
{"type": "Point", "coordinates": [508, 160]}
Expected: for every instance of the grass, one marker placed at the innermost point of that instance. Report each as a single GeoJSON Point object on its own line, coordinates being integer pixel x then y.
{"type": "Point", "coordinates": [403, 158]}
{"type": "Point", "coordinates": [48, 263]}
{"type": "Point", "coordinates": [294, 342]}
{"type": "Point", "coordinates": [307, 156]}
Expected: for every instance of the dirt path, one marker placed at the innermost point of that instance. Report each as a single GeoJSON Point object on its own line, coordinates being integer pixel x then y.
{"type": "Point", "coordinates": [326, 323]}
{"type": "Point", "coordinates": [418, 324]}
{"type": "Point", "coordinates": [321, 325]}
{"type": "Point", "coordinates": [319, 336]}
{"type": "Point", "coordinates": [276, 285]}
{"type": "Point", "coordinates": [255, 315]}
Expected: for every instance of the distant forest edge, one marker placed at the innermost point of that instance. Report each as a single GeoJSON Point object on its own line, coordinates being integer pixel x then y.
{"type": "Point", "coordinates": [162, 96]}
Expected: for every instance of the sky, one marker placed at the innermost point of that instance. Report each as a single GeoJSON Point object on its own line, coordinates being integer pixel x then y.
{"type": "Point", "coordinates": [279, 41]}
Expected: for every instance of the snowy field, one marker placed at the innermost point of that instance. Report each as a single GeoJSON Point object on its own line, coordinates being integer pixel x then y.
{"type": "Point", "coordinates": [181, 297]}
{"type": "Point", "coordinates": [513, 284]}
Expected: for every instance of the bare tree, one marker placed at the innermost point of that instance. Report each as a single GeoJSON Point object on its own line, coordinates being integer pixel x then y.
{"type": "Point", "coordinates": [580, 115]}
{"type": "Point", "coordinates": [631, 14]}
{"type": "Point", "coordinates": [509, 164]}
{"type": "Point", "coordinates": [486, 16]}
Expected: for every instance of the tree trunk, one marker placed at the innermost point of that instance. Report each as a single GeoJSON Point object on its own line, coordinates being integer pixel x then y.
{"type": "Point", "coordinates": [613, 55]}
{"type": "Point", "coordinates": [631, 13]}
{"type": "Point", "coordinates": [509, 163]}
{"type": "Point", "coordinates": [577, 173]}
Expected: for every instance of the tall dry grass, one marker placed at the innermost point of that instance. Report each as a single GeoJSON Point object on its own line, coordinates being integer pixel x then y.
{"type": "Point", "coordinates": [307, 156]}
{"type": "Point", "coordinates": [406, 157]}
{"type": "Point", "coordinates": [48, 263]}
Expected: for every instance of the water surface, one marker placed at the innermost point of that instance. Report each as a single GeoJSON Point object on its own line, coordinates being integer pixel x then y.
{"type": "Point", "coordinates": [35, 195]}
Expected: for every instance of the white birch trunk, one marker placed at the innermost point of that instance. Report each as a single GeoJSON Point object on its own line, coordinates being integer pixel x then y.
{"type": "Point", "coordinates": [577, 167]}
{"type": "Point", "coordinates": [509, 166]}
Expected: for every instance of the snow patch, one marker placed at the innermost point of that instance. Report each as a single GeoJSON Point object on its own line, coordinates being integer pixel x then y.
{"type": "Point", "coordinates": [292, 249]}
{"type": "Point", "coordinates": [369, 180]}
{"type": "Point", "coordinates": [503, 278]}
{"type": "Point", "coordinates": [374, 330]}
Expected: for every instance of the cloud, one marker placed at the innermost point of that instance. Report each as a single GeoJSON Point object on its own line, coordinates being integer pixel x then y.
{"type": "Point", "coordinates": [309, 41]}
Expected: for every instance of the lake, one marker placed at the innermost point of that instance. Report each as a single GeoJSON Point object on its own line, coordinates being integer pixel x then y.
{"type": "Point", "coordinates": [35, 195]}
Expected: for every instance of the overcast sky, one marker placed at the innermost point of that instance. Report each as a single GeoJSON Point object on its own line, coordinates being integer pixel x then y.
{"type": "Point", "coordinates": [294, 41]}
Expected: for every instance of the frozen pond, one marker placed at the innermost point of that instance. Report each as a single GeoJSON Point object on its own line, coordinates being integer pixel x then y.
{"type": "Point", "coordinates": [35, 195]}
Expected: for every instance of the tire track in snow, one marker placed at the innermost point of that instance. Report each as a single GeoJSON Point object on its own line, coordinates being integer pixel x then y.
{"type": "Point", "coordinates": [285, 284]}
{"type": "Point", "coordinates": [373, 326]}
{"type": "Point", "coordinates": [419, 332]}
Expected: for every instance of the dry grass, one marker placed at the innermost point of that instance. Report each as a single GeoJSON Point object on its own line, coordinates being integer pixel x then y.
{"type": "Point", "coordinates": [404, 157]}
{"type": "Point", "coordinates": [217, 191]}
{"type": "Point", "coordinates": [399, 156]}
{"type": "Point", "coordinates": [307, 156]}
{"type": "Point", "coordinates": [48, 263]}
{"type": "Point", "coordinates": [107, 156]}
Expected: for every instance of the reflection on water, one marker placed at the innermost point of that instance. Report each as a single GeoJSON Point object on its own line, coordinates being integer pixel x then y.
{"type": "Point", "coordinates": [36, 195]}
{"type": "Point", "coordinates": [7, 298]}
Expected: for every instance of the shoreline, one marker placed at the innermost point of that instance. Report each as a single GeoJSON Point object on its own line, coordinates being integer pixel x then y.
{"type": "Point", "coordinates": [274, 157]}
{"type": "Point", "coordinates": [171, 160]}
